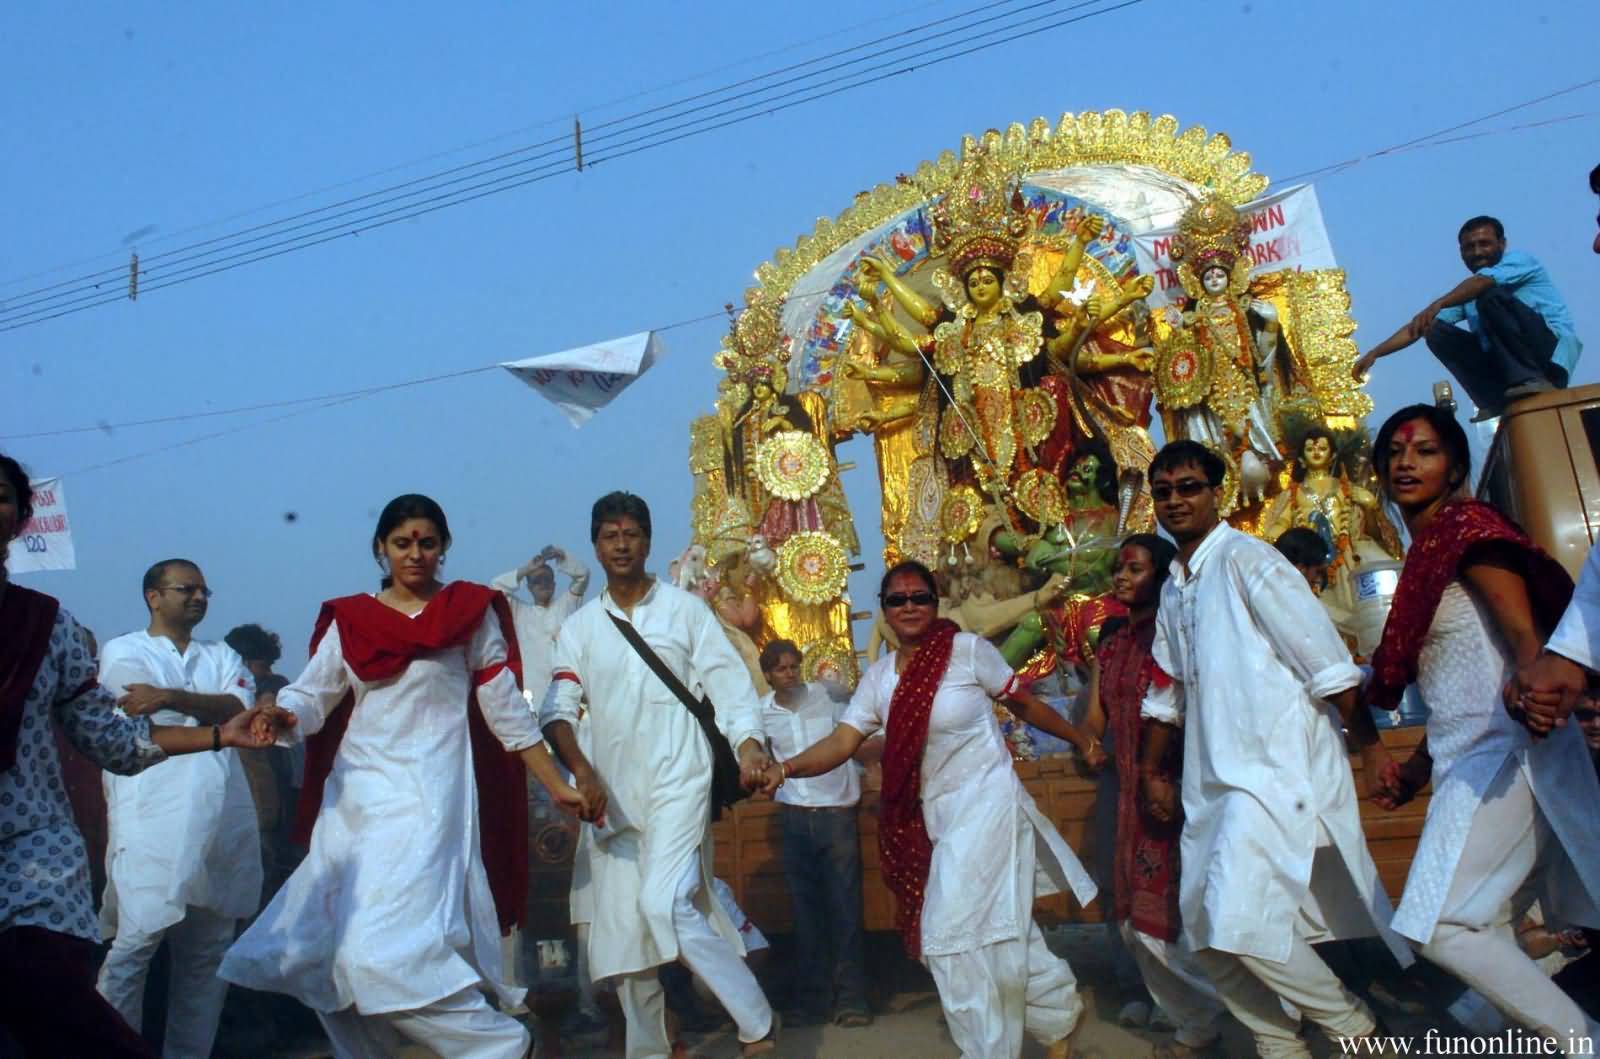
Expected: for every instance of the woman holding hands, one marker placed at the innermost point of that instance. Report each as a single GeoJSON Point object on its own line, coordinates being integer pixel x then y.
{"type": "Point", "coordinates": [417, 735]}
{"type": "Point", "coordinates": [963, 847]}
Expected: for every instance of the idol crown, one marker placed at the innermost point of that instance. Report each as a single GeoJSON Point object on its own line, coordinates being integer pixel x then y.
{"type": "Point", "coordinates": [1211, 232]}
{"type": "Point", "coordinates": [982, 221]}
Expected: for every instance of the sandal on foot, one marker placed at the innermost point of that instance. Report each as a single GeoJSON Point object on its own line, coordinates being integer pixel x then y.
{"type": "Point", "coordinates": [1062, 1049]}
{"type": "Point", "coordinates": [766, 1045]}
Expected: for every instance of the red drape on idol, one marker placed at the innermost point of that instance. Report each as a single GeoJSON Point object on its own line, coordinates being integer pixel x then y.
{"type": "Point", "coordinates": [1435, 558]}
{"type": "Point", "coordinates": [378, 643]}
{"type": "Point", "coordinates": [904, 849]}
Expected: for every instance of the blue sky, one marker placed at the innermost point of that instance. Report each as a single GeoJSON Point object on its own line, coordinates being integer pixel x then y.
{"type": "Point", "coordinates": [159, 118]}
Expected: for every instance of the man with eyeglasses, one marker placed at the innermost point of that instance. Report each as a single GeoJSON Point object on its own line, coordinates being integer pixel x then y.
{"type": "Point", "coordinates": [1257, 683]}
{"type": "Point", "coordinates": [184, 857]}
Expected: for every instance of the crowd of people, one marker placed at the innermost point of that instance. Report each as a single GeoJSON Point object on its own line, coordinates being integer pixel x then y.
{"type": "Point", "coordinates": [379, 801]}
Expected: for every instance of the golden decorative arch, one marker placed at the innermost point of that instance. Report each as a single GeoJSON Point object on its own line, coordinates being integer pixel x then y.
{"type": "Point", "coordinates": [1110, 137]}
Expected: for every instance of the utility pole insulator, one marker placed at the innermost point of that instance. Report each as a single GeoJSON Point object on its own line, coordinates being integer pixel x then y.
{"type": "Point", "coordinates": [577, 142]}
{"type": "Point", "coordinates": [133, 277]}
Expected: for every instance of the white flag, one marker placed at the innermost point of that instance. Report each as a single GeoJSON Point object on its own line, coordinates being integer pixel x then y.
{"type": "Point", "coordinates": [582, 381]}
{"type": "Point", "coordinates": [45, 542]}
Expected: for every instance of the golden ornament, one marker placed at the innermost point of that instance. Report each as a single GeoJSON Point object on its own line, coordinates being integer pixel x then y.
{"type": "Point", "coordinates": [1036, 415]}
{"type": "Point", "coordinates": [961, 514]}
{"type": "Point", "coordinates": [792, 464]}
{"type": "Point", "coordinates": [832, 660]}
{"type": "Point", "coordinates": [955, 432]}
{"type": "Point", "coordinates": [812, 567]}
{"type": "Point", "coordinates": [1184, 371]}
{"type": "Point", "coordinates": [1039, 495]}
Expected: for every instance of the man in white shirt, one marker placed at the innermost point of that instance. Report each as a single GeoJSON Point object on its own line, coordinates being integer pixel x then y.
{"type": "Point", "coordinates": [821, 849]}
{"type": "Point", "coordinates": [184, 856]}
{"type": "Point", "coordinates": [538, 621]}
{"type": "Point", "coordinates": [647, 778]}
{"type": "Point", "coordinates": [1275, 859]}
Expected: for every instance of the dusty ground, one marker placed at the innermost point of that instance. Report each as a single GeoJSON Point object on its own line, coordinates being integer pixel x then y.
{"type": "Point", "coordinates": [908, 1020]}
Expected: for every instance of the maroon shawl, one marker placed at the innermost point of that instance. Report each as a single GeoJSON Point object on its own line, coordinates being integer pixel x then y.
{"type": "Point", "coordinates": [1145, 860]}
{"type": "Point", "coordinates": [905, 851]}
{"type": "Point", "coordinates": [1436, 558]}
{"type": "Point", "coordinates": [378, 642]}
{"type": "Point", "coordinates": [27, 618]}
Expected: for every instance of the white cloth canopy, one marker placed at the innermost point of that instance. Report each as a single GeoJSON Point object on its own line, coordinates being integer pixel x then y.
{"type": "Point", "coordinates": [582, 381]}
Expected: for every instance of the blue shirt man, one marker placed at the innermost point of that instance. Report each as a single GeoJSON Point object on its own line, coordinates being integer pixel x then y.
{"type": "Point", "coordinates": [1529, 282]}
{"type": "Point", "coordinates": [1519, 339]}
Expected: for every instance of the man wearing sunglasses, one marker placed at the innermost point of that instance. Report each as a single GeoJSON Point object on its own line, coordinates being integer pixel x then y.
{"type": "Point", "coordinates": [184, 856]}
{"type": "Point", "coordinates": [1257, 683]}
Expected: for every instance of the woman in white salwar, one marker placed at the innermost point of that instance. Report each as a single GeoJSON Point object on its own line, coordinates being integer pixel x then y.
{"type": "Point", "coordinates": [388, 929]}
{"type": "Point", "coordinates": [1512, 818]}
{"type": "Point", "coordinates": [963, 847]}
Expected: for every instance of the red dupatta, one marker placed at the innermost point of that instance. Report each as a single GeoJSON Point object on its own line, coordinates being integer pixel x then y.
{"type": "Point", "coordinates": [28, 617]}
{"type": "Point", "coordinates": [1435, 559]}
{"type": "Point", "coordinates": [378, 642]}
{"type": "Point", "coordinates": [905, 851]}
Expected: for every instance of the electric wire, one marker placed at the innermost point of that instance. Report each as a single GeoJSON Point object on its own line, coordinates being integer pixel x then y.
{"type": "Point", "coordinates": [461, 149]}
{"type": "Point", "coordinates": [561, 156]}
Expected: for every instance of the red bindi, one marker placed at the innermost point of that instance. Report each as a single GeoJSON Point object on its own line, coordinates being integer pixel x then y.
{"type": "Point", "coordinates": [1405, 432]}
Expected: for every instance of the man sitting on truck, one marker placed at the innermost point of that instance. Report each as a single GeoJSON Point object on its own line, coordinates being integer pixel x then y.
{"type": "Point", "coordinates": [1519, 339]}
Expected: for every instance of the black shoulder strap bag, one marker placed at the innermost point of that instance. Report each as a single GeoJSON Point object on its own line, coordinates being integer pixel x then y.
{"type": "Point", "coordinates": [725, 786]}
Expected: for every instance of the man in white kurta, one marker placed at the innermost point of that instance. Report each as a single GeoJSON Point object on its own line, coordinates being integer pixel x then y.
{"type": "Point", "coordinates": [650, 860]}
{"type": "Point", "coordinates": [184, 857]}
{"type": "Point", "coordinates": [1275, 859]}
{"type": "Point", "coordinates": [539, 617]}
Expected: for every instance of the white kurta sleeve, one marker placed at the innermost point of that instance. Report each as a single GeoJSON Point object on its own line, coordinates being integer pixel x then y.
{"type": "Point", "coordinates": [1295, 624]}
{"type": "Point", "coordinates": [318, 688]}
{"type": "Point", "coordinates": [1164, 699]}
{"type": "Point", "coordinates": [236, 677]}
{"type": "Point", "coordinates": [120, 665]}
{"type": "Point", "coordinates": [563, 699]}
{"type": "Point", "coordinates": [507, 713]}
{"type": "Point", "coordinates": [865, 712]}
{"type": "Point", "coordinates": [579, 573]}
{"type": "Point", "coordinates": [716, 666]}
{"type": "Point", "coordinates": [507, 582]}
{"type": "Point", "coordinates": [989, 666]}
{"type": "Point", "coordinates": [1578, 635]}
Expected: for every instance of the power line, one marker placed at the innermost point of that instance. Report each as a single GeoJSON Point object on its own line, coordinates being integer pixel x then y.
{"type": "Point", "coordinates": [321, 402]}
{"type": "Point", "coordinates": [338, 396]}
{"type": "Point", "coordinates": [563, 153]}
{"type": "Point", "coordinates": [1429, 138]}
{"type": "Point", "coordinates": [362, 218]}
{"type": "Point", "coordinates": [463, 148]}
{"type": "Point", "coordinates": [214, 435]}
{"type": "Point", "coordinates": [1418, 143]}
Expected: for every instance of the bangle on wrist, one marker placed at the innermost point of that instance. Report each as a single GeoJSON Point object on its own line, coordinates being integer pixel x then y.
{"type": "Point", "coordinates": [216, 738]}
{"type": "Point", "coordinates": [788, 773]}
